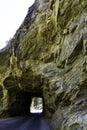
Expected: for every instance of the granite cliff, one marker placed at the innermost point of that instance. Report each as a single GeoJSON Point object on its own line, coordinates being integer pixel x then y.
{"type": "Point", "coordinates": [47, 57]}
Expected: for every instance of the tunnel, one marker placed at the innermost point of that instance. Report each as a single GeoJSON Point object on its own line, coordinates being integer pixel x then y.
{"type": "Point", "coordinates": [21, 105]}
{"type": "Point", "coordinates": [19, 100]}
{"type": "Point", "coordinates": [20, 93]}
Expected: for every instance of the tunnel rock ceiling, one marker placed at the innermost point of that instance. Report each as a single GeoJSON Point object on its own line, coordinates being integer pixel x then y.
{"type": "Point", "coordinates": [47, 57]}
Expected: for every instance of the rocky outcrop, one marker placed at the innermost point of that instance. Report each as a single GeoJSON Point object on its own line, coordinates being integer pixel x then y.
{"type": "Point", "coordinates": [47, 57]}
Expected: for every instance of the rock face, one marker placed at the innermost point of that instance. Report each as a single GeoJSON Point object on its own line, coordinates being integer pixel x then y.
{"type": "Point", "coordinates": [47, 57]}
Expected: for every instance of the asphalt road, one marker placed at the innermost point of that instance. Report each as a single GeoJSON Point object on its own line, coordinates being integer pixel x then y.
{"type": "Point", "coordinates": [25, 123]}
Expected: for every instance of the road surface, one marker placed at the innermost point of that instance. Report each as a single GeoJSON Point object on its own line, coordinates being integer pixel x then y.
{"type": "Point", "coordinates": [25, 123]}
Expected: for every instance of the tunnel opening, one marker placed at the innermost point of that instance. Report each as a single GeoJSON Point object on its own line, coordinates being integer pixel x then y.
{"type": "Point", "coordinates": [36, 106]}
{"type": "Point", "coordinates": [21, 105]}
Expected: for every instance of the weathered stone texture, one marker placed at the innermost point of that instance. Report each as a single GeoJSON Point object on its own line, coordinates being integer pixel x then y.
{"type": "Point", "coordinates": [48, 56]}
